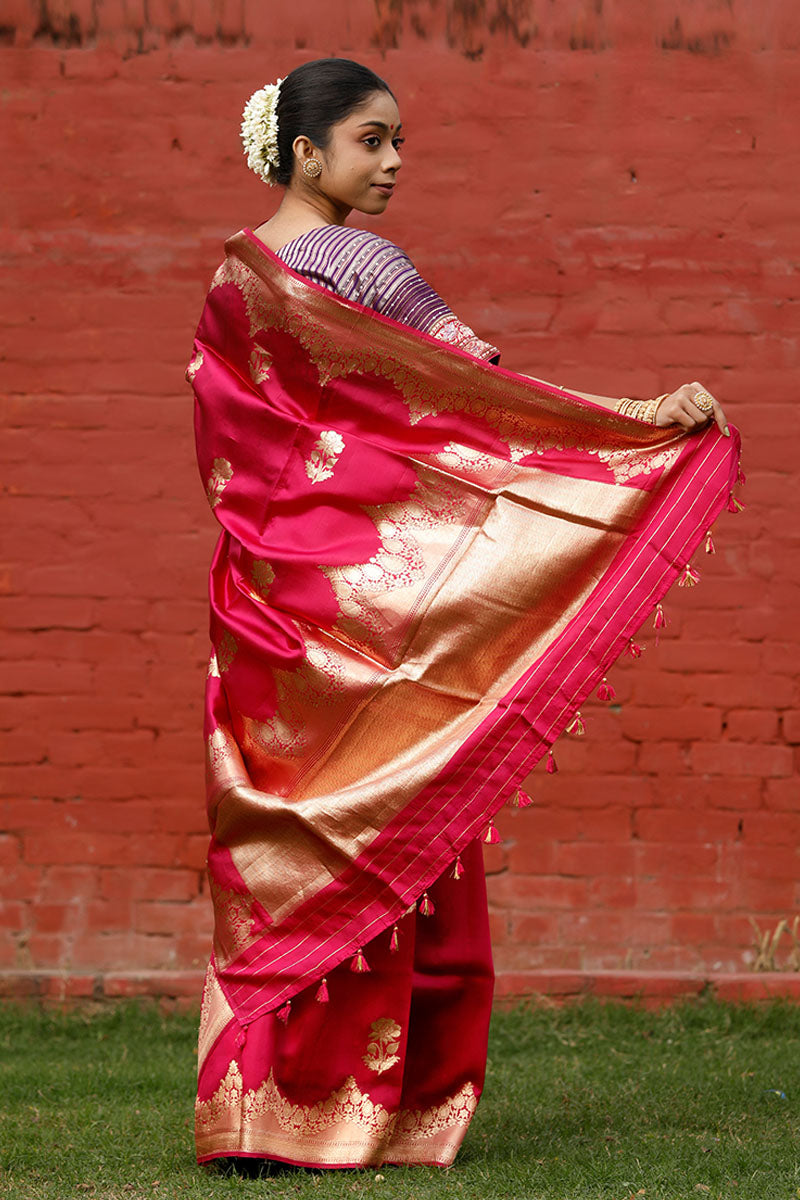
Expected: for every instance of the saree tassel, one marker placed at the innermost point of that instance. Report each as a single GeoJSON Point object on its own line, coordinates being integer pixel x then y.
{"type": "Point", "coordinates": [322, 991]}
{"type": "Point", "coordinates": [606, 691]}
{"type": "Point", "coordinates": [458, 868]}
{"type": "Point", "coordinates": [634, 649]}
{"type": "Point", "coordinates": [491, 837]}
{"type": "Point", "coordinates": [552, 765]}
{"type": "Point", "coordinates": [710, 544]}
{"type": "Point", "coordinates": [740, 475]}
{"type": "Point", "coordinates": [426, 906]}
{"type": "Point", "coordinates": [283, 1013]}
{"type": "Point", "coordinates": [577, 726]}
{"type": "Point", "coordinates": [660, 622]}
{"type": "Point", "coordinates": [394, 941]}
{"type": "Point", "coordinates": [689, 578]}
{"type": "Point", "coordinates": [734, 505]}
{"type": "Point", "coordinates": [359, 962]}
{"type": "Point", "coordinates": [521, 799]}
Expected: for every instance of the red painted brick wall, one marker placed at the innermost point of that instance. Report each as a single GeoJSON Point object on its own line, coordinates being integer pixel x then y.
{"type": "Point", "coordinates": [609, 193]}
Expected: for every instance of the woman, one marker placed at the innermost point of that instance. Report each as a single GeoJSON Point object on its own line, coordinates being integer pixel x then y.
{"type": "Point", "coordinates": [426, 564]}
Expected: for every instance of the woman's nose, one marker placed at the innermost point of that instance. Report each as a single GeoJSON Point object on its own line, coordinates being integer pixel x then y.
{"type": "Point", "coordinates": [393, 161]}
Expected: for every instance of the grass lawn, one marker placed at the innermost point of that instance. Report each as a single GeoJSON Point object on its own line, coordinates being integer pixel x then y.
{"type": "Point", "coordinates": [581, 1102]}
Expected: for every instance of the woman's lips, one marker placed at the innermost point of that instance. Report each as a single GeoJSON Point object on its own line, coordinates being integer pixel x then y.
{"type": "Point", "coordinates": [386, 188]}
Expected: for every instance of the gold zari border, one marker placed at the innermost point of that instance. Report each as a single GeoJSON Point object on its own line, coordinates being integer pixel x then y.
{"type": "Point", "coordinates": [346, 1128]}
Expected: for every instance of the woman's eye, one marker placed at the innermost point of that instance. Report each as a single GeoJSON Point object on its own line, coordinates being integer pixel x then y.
{"type": "Point", "coordinates": [398, 142]}
{"type": "Point", "coordinates": [373, 140]}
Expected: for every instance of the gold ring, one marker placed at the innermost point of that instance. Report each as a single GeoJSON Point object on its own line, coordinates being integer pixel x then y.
{"type": "Point", "coordinates": [704, 401]}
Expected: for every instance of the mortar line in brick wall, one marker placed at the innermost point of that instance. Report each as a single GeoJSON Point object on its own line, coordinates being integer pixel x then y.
{"type": "Point", "coordinates": [512, 987]}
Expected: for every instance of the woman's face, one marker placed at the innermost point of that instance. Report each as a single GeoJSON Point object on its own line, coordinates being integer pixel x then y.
{"type": "Point", "coordinates": [360, 165]}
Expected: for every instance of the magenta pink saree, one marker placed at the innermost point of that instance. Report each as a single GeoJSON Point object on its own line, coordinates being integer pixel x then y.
{"type": "Point", "coordinates": [426, 564]}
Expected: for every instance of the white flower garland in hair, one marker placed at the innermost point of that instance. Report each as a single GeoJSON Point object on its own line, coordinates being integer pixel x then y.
{"type": "Point", "coordinates": [260, 131]}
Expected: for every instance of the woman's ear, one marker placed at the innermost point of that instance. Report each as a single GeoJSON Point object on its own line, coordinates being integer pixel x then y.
{"type": "Point", "coordinates": [303, 149]}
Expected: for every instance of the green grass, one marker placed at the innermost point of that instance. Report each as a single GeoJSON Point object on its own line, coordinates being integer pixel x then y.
{"type": "Point", "coordinates": [582, 1102]}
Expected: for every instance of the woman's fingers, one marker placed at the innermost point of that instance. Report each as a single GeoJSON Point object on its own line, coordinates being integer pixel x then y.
{"type": "Point", "coordinates": [709, 407]}
{"type": "Point", "coordinates": [677, 409]}
{"type": "Point", "coordinates": [691, 407]}
{"type": "Point", "coordinates": [695, 406]}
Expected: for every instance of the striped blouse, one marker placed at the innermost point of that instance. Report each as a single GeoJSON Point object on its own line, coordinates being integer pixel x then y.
{"type": "Point", "coordinates": [362, 266]}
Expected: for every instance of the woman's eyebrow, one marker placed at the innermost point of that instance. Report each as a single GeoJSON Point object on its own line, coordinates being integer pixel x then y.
{"type": "Point", "coordinates": [380, 125]}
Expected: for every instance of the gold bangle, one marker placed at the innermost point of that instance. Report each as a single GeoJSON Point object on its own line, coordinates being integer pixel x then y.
{"type": "Point", "coordinates": [639, 410]}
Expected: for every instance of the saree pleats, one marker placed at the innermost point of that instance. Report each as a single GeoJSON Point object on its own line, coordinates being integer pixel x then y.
{"type": "Point", "coordinates": [385, 1066]}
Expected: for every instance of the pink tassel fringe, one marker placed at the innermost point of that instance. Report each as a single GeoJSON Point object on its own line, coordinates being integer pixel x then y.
{"type": "Point", "coordinates": [606, 691]}
{"type": "Point", "coordinates": [491, 837]}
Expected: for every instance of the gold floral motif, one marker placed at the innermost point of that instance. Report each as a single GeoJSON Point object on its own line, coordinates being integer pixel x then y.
{"type": "Point", "coordinates": [226, 651]}
{"type": "Point", "coordinates": [276, 737]}
{"type": "Point", "coordinates": [399, 562]}
{"type": "Point", "coordinates": [346, 1105]}
{"type": "Point", "coordinates": [213, 666]}
{"type": "Point", "coordinates": [224, 766]}
{"type": "Point", "coordinates": [194, 366]}
{"type": "Point", "coordinates": [315, 683]}
{"type": "Point", "coordinates": [222, 749]}
{"type": "Point", "coordinates": [260, 363]}
{"type": "Point", "coordinates": [637, 460]}
{"type": "Point", "coordinates": [218, 480]}
{"type": "Point", "coordinates": [465, 459]}
{"type": "Point", "coordinates": [324, 455]}
{"type": "Point", "coordinates": [383, 1044]}
{"type": "Point", "coordinates": [426, 1123]}
{"type": "Point", "coordinates": [233, 922]}
{"type": "Point", "coordinates": [263, 577]}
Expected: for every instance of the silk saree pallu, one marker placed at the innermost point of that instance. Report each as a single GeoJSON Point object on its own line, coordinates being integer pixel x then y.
{"type": "Point", "coordinates": [426, 564]}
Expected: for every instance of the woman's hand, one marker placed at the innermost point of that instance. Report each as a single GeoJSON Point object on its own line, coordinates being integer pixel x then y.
{"type": "Point", "coordinates": [679, 408]}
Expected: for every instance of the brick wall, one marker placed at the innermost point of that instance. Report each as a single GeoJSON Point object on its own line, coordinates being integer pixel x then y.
{"type": "Point", "coordinates": [609, 193]}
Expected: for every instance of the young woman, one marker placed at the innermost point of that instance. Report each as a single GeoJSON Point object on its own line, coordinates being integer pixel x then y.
{"type": "Point", "coordinates": [426, 564]}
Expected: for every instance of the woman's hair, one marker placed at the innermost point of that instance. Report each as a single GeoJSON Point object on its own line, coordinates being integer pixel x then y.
{"type": "Point", "coordinates": [316, 96]}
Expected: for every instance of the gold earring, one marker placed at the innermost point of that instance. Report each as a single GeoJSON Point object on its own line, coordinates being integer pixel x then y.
{"type": "Point", "coordinates": [312, 168]}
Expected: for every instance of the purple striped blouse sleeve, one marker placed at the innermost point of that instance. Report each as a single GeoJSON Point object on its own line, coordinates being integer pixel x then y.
{"type": "Point", "coordinates": [361, 266]}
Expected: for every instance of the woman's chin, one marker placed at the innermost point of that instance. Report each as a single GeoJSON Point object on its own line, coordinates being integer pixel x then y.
{"type": "Point", "coordinates": [373, 203]}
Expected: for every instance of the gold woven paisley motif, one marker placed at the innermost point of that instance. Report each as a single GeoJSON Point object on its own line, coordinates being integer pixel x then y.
{"type": "Point", "coordinates": [383, 1044]}
{"type": "Point", "coordinates": [346, 1105]}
